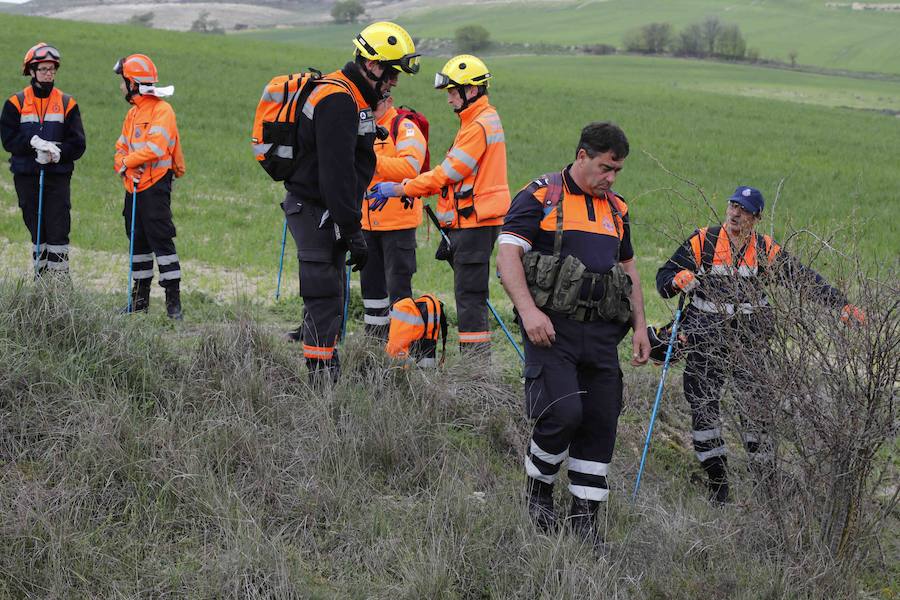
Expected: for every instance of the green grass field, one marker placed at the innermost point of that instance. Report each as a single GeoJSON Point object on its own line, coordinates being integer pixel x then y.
{"type": "Point", "coordinates": [717, 125]}
{"type": "Point", "coordinates": [824, 37]}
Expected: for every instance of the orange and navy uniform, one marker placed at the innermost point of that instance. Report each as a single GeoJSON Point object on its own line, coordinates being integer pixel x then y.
{"type": "Point", "coordinates": [593, 231]}
{"type": "Point", "coordinates": [149, 145]}
{"type": "Point", "coordinates": [573, 389]}
{"type": "Point", "coordinates": [727, 279]}
{"type": "Point", "coordinates": [397, 159]}
{"type": "Point", "coordinates": [54, 117]}
{"type": "Point", "coordinates": [472, 177]}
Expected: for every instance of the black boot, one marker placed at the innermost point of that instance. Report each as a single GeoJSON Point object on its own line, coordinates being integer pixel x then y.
{"type": "Point", "coordinates": [173, 302]}
{"type": "Point", "coordinates": [323, 373]}
{"type": "Point", "coordinates": [294, 335]}
{"type": "Point", "coordinates": [717, 470]}
{"type": "Point", "coordinates": [540, 505]}
{"type": "Point", "coordinates": [140, 297]}
{"type": "Point", "coordinates": [582, 522]}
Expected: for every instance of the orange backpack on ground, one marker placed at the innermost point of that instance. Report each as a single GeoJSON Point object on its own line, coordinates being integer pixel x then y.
{"type": "Point", "coordinates": [415, 328]}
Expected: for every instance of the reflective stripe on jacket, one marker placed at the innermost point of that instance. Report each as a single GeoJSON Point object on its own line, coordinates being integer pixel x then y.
{"type": "Point", "coordinates": [472, 178]}
{"type": "Point", "coordinates": [149, 140]}
{"type": "Point", "coordinates": [397, 160]}
{"type": "Point", "coordinates": [44, 117]}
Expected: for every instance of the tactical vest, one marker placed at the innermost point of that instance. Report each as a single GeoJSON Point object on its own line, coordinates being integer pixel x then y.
{"type": "Point", "coordinates": [43, 117]}
{"type": "Point", "coordinates": [564, 284]}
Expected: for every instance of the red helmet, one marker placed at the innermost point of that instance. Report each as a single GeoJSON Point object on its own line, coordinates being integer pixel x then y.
{"type": "Point", "coordinates": [39, 53]}
{"type": "Point", "coordinates": [138, 68]}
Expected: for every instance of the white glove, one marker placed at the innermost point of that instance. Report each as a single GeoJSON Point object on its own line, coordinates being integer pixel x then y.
{"type": "Point", "coordinates": [44, 157]}
{"type": "Point", "coordinates": [38, 143]}
{"type": "Point", "coordinates": [47, 148]}
{"type": "Point", "coordinates": [54, 153]}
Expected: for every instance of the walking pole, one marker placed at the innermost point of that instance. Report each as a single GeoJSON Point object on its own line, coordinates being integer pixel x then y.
{"type": "Point", "coordinates": [281, 260]}
{"type": "Point", "coordinates": [659, 391]}
{"type": "Point", "coordinates": [37, 259]}
{"type": "Point", "coordinates": [346, 304]}
{"type": "Point", "coordinates": [433, 218]}
{"type": "Point", "coordinates": [134, 183]}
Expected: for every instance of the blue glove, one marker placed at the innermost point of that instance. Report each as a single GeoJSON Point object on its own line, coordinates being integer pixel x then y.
{"type": "Point", "coordinates": [380, 193]}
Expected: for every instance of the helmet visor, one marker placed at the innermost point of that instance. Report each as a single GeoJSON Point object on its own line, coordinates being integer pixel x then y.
{"type": "Point", "coordinates": [442, 81]}
{"type": "Point", "coordinates": [408, 64]}
{"type": "Point", "coordinates": [45, 53]}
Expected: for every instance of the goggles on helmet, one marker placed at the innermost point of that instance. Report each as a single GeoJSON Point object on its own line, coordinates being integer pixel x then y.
{"type": "Point", "coordinates": [441, 81]}
{"type": "Point", "coordinates": [119, 66]}
{"type": "Point", "coordinates": [408, 63]}
{"type": "Point", "coordinates": [45, 53]}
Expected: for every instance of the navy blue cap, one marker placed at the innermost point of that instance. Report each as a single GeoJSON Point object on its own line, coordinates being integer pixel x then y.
{"type": "Point", "coordinates": [750, 198]}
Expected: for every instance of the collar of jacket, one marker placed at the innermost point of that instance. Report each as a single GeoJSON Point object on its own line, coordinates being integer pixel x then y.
{"type": "Point", "coordinates": [388, 117]}
{"type": "Point", "coordinates": [41, 90]}
{"type": "Point", "coordinates": [140, 100]}
{"type": "Point", "coordinates": [351, 70]}
{"type": "Point", "coordinates": [474, 109]}
{"type": "Point", "coordinates": [570, 182]}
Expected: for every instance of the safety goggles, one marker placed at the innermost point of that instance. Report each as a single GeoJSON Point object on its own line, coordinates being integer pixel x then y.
{"type": "Point", "coordinates": [408, 63]}
{"type": "Point", "coordinates": [120, 64]}
{"type": "Point", "coordinates": [45, 53]}
{"type": "Point", "coordinates": [442, 81]}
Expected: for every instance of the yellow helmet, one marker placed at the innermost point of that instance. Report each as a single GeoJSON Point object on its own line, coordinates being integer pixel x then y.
{"type": "Point", "coordinates": [464, 69]}
{"type": "Point", "coordinates": [390, 44]}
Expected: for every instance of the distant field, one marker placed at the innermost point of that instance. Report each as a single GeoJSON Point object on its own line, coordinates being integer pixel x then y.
{"type": "Point", "coordinates": [718, 125]}
{"type": "Point", "coordinates": [837, 38]}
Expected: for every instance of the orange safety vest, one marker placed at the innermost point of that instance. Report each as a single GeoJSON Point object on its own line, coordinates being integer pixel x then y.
{"type": "Point", "coordinates": [717, 292]}
{"type": "Point", "coordinates": [397, 160]}
{"type": "Point", "coordinates": [149, 140]}
{"type": "Point", "coordinates": [472, 177]}
{"type": "Point", "coordinates": [44, 117]}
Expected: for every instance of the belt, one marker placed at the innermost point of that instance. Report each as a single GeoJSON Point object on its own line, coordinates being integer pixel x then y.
{"type": "Point", "coordinates": [744, 308]}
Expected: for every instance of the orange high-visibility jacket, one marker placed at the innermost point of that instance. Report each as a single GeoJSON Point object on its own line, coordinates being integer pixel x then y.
{"type": "Point", "coordinates": [472, 177]}
{"type": "Point", "coordinates": [397, 160]}
{"type": "Point", "coordinates": [150, 140]}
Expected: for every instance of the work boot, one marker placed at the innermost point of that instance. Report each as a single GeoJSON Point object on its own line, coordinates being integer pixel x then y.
{"type": "Point", "coordinates": [717, 470]}
{"type": "Point", "coordinates": [323, 373]}
{"type": "Point", "coordinates": [173, 302]}
{"type": "Point", "coordinates": [140, 297]}
{"type": "Point", "coordinates": [294, 335]}
{"type": "Point", "coordinates": [582, 522]}
{"type": "Point", "coordinates": [540, 505]}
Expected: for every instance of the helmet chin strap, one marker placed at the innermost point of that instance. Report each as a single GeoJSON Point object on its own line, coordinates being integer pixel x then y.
{"type": "Point", "coordinates": [463, 93]}
{"type": "Point", "coordinates": [379, 80]}
{"type": "Point", "coordinates": [131, 91]}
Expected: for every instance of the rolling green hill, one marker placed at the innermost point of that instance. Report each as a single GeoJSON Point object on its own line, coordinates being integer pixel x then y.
{"type": "Point", "coordinates": [717, 125]}
{"type": "Point", "coordinates": [836, 38]}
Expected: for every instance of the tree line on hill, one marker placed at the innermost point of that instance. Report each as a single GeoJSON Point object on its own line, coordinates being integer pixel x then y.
{"type": "Point", "coordinates": [710, 38]}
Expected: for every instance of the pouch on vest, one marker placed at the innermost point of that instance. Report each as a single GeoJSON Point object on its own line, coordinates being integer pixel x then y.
{"type": "Point", "coordinates": [616, 302]}
{"type": "Point", "coordinates": [540, 275]}
{"type": "Point", "coordinates": [567, 287]}
{"type": "Point", "coordinates": [415, 328]}
{"type": "Point", "coordinates": [274, 135]}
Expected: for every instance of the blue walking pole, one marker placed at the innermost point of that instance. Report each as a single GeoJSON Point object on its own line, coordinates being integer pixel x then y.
{"type": "Point", "coordinates": [281, 260]}
{"type": "Point", "coordinates": [38, 253]}
{"type": "Point", "coordinates": [346, 304]}
{"type": "Point", "coordinates": [500, 322]}
{"type": "Point", "coordinates": [659, 391]}
{"type": "Point", "coordinates": [131, 241]}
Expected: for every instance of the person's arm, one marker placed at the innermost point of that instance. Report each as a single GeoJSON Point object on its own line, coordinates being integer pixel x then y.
{"type": "Point", "coordinates": [336, 123]}
{"type": "Point", "coordinates": [679, 273]}
{"type": "Point", "coordinates": [640, 342]}
{"type": "Point", "coordinates": [459, 163]}
{"type": "Point", "coordinates": [73, 143]}
{"type": "Point", "coordinates": [410, 148]}
{"type": "Point", "coordinates": [535, 322]}
{"type": "Point", "coordinates": [14, 141]}
{"type": "Point", "coordinates": [121, 146]}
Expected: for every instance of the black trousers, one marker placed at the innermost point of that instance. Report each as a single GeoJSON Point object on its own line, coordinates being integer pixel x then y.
{"type": "Point", "coordinates": [322, 270]}
{"type": "Point", "coordinates": [154, 234]}
{"type": "Point", "coordinates": [56, 223]}
{"type": "Point", "coordinates": [472, 250]}
{"type": "Point", "coordinates": [723, 350]}
{"type": "Point", "coordinates": [573, 392]}
{"type": "Point", "coordinates": [387, 276]}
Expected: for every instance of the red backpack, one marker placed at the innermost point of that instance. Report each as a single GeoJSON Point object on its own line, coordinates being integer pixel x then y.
{"type": "Point", "coordinates": [406, 112]}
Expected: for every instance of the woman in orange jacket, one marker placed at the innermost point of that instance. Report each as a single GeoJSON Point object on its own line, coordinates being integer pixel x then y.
{"type": "Point", "coordinates": [474, 192]}
{"type": "Point", "coordinates": [148, 155]}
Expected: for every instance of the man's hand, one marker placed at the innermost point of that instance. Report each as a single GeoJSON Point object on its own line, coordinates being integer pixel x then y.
{"type": "Point", "coordinates": [853, 315]}
{"type": "Point", "coordinates": [380, 193]}
{"type": "Point", "coordinates": [685, 280]}
{"type": "Point", "coordinates": [640, 344]}
{"type": "Point", "coordinates": [538, 327]}
{"type": "Point", "coordinates": [356, 246]}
